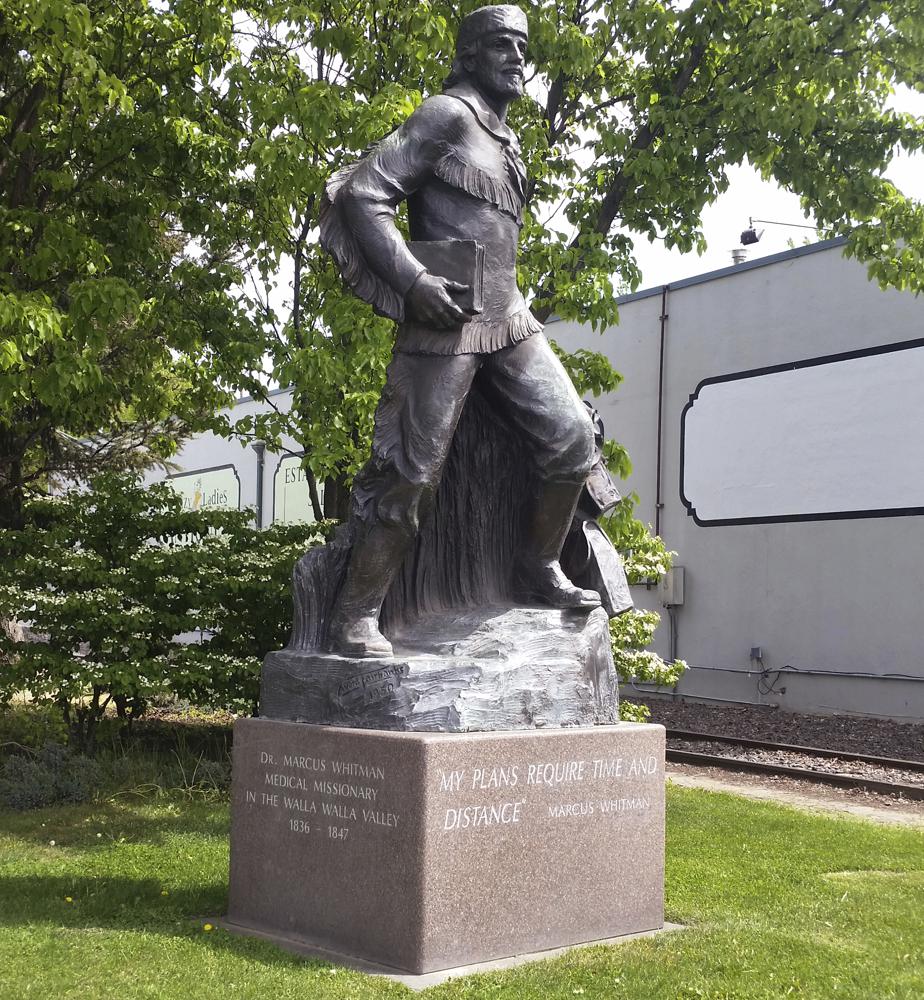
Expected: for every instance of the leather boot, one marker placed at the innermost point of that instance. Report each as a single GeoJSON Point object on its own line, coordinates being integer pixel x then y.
{"type": "Point", "coordinates": [538, 576]}
{"type": "Point", "coordinates": [374, 560]}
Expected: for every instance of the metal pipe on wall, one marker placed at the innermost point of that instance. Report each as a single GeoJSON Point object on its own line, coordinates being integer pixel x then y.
{"type": "Point", "coordinates": [672, 622]}
{"type": "Point", "coordinates": [659, 500]}
{"type": "Point", "coordinates": [809, 672]}
{"type": "Point", "coordinates": [702, 697]}
{"type": "Point", "coordinates": [260, 448]}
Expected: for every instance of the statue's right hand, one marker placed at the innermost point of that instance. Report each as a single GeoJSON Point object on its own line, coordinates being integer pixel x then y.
{"type": "Point", "coordinates": [429, 301]}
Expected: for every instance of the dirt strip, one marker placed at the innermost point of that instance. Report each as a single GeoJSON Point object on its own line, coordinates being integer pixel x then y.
{"type": "Point", "coordinates": [801, 794]}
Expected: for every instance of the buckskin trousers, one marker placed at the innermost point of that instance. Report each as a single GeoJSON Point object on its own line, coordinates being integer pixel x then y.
{"type": "Point", "coordinates": [419, 410]}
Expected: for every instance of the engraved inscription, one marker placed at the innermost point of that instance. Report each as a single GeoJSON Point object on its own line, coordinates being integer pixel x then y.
{"type": "Point", "coordinates": [462, 819]}
{"type": "Point", "coordinates": [625, 805]}
{"type": "Point", "coordinates": [347, 793]}
{"type": "Point", "coordinates": [451, 781]}
{"type": "Point", "coordinates": [371, 686]}
{"type": "Point", "coordinates": [299, 805]}
{"type": "Point", "coordinates": [304, 763]}
{"type": "Point", "coordinates": [565, 772]}
{"type": "Point", "coordinates": [496, 777]}
{"type": "Point", "coordinates": [590, 790]}
{"type": "Point", "coordinates": [360, 770]}
{"type": "Point", "coordinates": [379, 818]}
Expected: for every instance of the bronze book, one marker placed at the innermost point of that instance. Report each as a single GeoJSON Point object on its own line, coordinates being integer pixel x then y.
{"type": "Point", "coordinates": [458, 260]}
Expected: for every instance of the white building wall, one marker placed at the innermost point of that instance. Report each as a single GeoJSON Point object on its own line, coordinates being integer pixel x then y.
{"type": "Point", "coordinates": [840, 597]}
{"type": "Point", "coordinates": [205, 452]}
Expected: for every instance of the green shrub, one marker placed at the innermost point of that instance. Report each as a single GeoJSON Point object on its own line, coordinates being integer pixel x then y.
{"type": "Point", "coordinates": [52, 776]}
{"type": "Point", "coordinates": [630, 711]}
{"type": "Point", "coordinates": [645, 555]}
{"type": "Point", "coordinates": [245, 611]}
{"type": "Point", "coordinates": [24, 724]}
{"type": "Point", "coordinates": [110, 578]}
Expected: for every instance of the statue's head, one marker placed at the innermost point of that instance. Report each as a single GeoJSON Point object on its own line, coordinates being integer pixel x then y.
{"type": "Point", "coordinates": [491, 51]}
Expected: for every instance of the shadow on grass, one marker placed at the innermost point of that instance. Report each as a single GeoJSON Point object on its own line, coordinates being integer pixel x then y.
{"type": "Point", "coordinates": [122, 904]}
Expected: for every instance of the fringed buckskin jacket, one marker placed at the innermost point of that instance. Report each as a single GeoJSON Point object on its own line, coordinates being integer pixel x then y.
{"type": "Point", "coordinates": [459, 168]}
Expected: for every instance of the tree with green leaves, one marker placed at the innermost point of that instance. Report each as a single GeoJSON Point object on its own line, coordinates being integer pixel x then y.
{"type": "Point", "coordinates": [161, 168]}
{"type": "Point", "coordinates": [129, 596]}
{"type": "Point", "coordinates": [634, 115]}
{"type": "Point", "coordinates": [125, 215]}
{"type": "Point", "coordinates": [635, 112]}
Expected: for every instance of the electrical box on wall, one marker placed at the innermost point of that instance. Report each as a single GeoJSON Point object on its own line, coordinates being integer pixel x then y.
{"type": "Point", "coordinates": [670, 588]}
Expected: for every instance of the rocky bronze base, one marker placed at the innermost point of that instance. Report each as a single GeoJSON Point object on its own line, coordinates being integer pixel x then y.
{"type": "Point", "coordinates": [485, 669]}
{"type": "Point", "coordinates": [422, 852]}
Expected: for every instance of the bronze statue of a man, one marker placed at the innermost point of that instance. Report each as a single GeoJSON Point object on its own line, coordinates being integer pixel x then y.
{"type": "Point", "coordinates": [457, 164]}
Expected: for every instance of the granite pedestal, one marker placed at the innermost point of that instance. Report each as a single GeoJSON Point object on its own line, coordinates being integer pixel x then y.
{"type": "Point", "coordinates": [429, 851]}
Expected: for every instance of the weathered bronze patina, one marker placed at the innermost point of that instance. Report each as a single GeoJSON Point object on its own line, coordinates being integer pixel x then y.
{"type": "Point", "coordinates": [457, 164]}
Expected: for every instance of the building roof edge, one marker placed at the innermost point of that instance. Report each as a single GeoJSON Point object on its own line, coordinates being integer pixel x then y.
{"type": "Point", "coordinates": [725, 272]}
{"type": "Point", "coordinates": [748, 265]}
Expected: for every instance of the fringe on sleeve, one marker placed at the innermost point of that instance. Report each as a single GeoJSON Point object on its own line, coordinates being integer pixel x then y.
{"type": "Point", "coordinates": [338, 240]}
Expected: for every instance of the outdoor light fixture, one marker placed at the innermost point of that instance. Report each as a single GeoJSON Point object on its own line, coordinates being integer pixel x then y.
{"type": "Point", "coordinates": [750, 236]}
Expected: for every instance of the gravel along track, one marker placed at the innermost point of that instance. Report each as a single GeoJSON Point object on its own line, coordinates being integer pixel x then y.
{"type": "Point", "coordinates": [848, 733]}
{"type": "Point", "coordinates": [805, 761]}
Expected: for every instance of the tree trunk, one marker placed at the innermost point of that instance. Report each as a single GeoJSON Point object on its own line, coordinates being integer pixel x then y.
{"type": "Point", "coordinates": [316, 507]}
{"type": "Point", "coordinates": [12, 517]}
{"type": "Point", "coordinates": [337, 498]}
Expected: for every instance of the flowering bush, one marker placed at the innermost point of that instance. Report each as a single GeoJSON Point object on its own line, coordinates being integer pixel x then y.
{"type": "Point", "coordinates": [127, 596]}
{"type": "Point", "coordinates": [646, 559]}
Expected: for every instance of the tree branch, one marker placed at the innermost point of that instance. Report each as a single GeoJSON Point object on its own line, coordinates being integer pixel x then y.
{"type": "Point", "coordinates": [645, 136]}
{"type": "Point", "coordinates": [297, 277]}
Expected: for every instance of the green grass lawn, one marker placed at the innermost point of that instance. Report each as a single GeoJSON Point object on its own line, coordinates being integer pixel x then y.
{"type": "Point", "coordinates": [102, 901]}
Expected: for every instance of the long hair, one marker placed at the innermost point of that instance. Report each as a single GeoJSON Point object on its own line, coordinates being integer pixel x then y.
{"type": "Point", "coordinates": [458, 73]}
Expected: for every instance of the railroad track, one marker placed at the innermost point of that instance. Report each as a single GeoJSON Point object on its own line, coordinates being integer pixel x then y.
{"type": "Point", "coordinates": [884, 775]}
